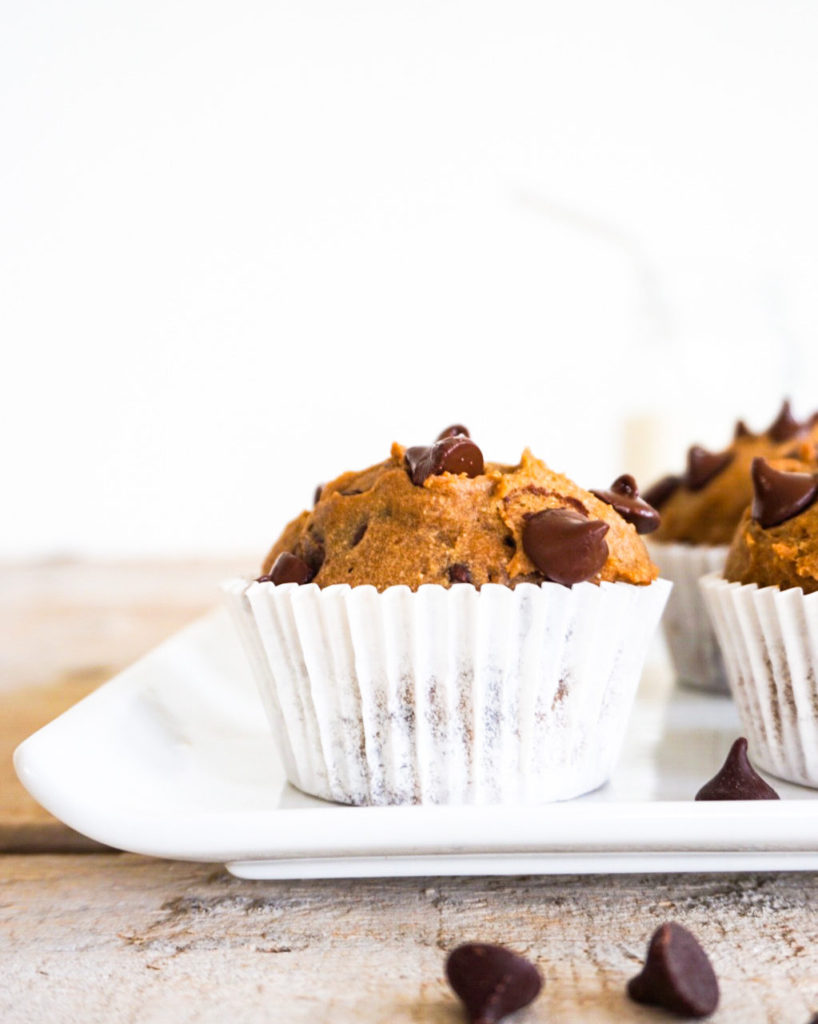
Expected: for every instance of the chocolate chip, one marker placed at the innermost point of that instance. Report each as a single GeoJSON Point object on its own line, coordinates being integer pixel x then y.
{"type": "Point", "coordinates": [785, 425]}
{"type": "Point", "coordinates": [742, 430]}
{"type": "Point", "coordinates": [737, 779]}
{"type": "Point", "coordinates": [459, 573]}
{"type": "Point", "coordinates": [677, 974]}
{"type": "Point", "coordinates": [565, 546]}
{"type": "Point", "coordinates": [359, 535]}
{"type": "Point", "coordinates": [290, 569]}
{"type": "Point", "coordinates": [780, 496]}
{"type": "Point", "coordinates": [491, 981]}
{"type": "Point", "coordinates": [455, 430]}
{"type": "Point", "coordinates": [703, 466]}
{"type": "Point", "coordinates": [317, 496]}
{"type": "Point", "coordinates": [662, 490]}
{"type": "Point", "coordinates": [450, 455]}
{"type": "Point", "coordinates": [624, 498]}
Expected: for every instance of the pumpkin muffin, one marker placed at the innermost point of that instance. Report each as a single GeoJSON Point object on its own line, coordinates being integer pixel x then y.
{"type": "Point", "coordinates": [765, 611]}
{"type": "Point", "coordinates": [441, 629]}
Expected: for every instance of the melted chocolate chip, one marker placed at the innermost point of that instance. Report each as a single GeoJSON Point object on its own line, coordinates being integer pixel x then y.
{"type": "Point", "coordinates": [359, 534]}
{"type": "Point", "coordinates": [737, 779]}
{"type": "Point", "coordinates": [785, 425]}
{"type": "Point", "coordinates": [742, 430]}
{"type": "Point", "coordinates": [455, 430]}
{"type": "Point", "coordinates": [491, 981]}
{"type": "Point", "coordinates": [449, 455]}
{"type": "Point", "coordinates": [565, 546]}
{"type": "Point", "coordinates": [317, 496]}
{"type": "Point", "coordinates": [780, 496]}
{"type": "Point", "coordinates": [677, 974]}
{"type": "Point", "coordinates": [290, 569]}
{"type": "Point", "coordinates": [459, 573]}
{"type": "Point", "coordinates": [624, 498]}
{"type": "Point", "coordinates": [703, 466]}
{"type": "Point", "coordinates": [661, 491]}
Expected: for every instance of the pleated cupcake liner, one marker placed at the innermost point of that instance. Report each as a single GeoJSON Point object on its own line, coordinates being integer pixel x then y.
{"type": "Point", "coordinates": [694, 650]}
{"type": "Point", "coordinates": [447, 696]}
{"type": "Point", "coordinates": [769, 638]}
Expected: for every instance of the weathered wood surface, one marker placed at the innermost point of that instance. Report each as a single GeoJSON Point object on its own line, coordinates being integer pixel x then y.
{"type": "Point", "coordinates": [123, 938]}
{"type": "Point", "coordinates": [67, 628]}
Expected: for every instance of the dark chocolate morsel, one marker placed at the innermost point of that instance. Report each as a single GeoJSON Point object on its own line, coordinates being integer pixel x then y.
{"type": "Point", "coordinates": [317, 496]}
{"type": "Point", "coordinates": [785, 425]}
{"type": "Point", "coordinates": [459, 573]}
{"type": "Point", "coordinates": [703, 466]}
{"type": "Point", "coordinates": [358, 536]}
{"type": "Point", "coordinates": [456, 454]}
{"type": "Point", "coordinates": [290, 569]}
{"type": "Point", "coordinates": [779, 495]}
{"type": "Point", "coordinates": [565, 546]}
{"type": "Point", "coordinates": [737, 779]}
{"type": "Point", "coordinates": [491, 981]}
{"type": "Point", "coordinates": [677, 974]}
{"type": "Point", "coordinates": [266, 578]}
{"type": "Point", "coordinates": [661, 491]}
{"type": "Point", "coordinates": [742, 430]}
{"type": "Point", "coordinates": [455, 430]}
{"type": "Point", "coordinates": [624, 498]}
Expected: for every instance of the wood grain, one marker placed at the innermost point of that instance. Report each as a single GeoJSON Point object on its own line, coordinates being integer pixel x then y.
{"type": "Point", "coordinates": [67, 628]}
{"type": "Point", "coordinates": [123, 938]}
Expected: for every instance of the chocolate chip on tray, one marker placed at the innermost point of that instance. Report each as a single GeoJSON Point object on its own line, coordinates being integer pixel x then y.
{"type": "Point", "coordinates": [288, 569]}
{"type": "Point", "coordinates": [491, 981]}
{"type": "Point", "coordinates": [703, 466]}
{"type": "Point", "coordinates": [737, 779]}
{"type": "Point", "coordinates": [778, 495]}
{"type": "Point", "coordinates": [624, 498]}
{"type": "Point", "coordinates": [677, 974]}
{"type": "Point", "coordinates": [455, 430]}
{"type": "Point", "coordinates": [564, 545]}
{"type": "Point", "coordinates": [456, 454]}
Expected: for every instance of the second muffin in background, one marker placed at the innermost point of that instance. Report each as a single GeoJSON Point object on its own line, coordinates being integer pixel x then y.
{"type": "Point", "coordinates": [700, 512]}
{"type": "Point", "coordinates": [442, 630]}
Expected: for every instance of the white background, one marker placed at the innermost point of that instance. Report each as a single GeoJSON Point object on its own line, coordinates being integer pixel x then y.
{"type": "Point", "coordinates": [244, 246]}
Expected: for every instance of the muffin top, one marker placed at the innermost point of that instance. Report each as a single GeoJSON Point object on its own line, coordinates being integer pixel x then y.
{"type": "Point", "coordinates": [705, 504]}
{"type": "Point", "coordinates": [776, 543]}
{"type": "Point", "coordinates": [438, 514]}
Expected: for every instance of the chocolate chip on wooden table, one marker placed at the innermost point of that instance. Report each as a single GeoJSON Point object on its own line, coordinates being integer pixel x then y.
{"type": "Point", "coordinates": [737, 779]}
{"type": "Point", "coordinates": [677, 974]}
{"type": "Point", "coordinates": [564, 545]}
{"type": "Point", "coordinates": [703, 466]}
{"type": "Point", "coordinates": [455, 430]}
{"type": "Point", "coordinates": [459, 573]}
{"type": "Point", "coordinates": [785, 425]}
{"type": "Point", "coordinates": [778, 495]}
{"type": "Point", "coordinates": [624, 498]}
{"type": "Point", "coordinates": [456, 454]}
{"type": "Point", "coordinates": [491, 981]}
{"type": "Point", "coordinates": [288, 568]}
{"type": "Point", "coordinates": [662, 490]}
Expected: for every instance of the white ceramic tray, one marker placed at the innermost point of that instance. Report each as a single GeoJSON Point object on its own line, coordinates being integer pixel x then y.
{"type": "Point", "coordinates": [173, 758]}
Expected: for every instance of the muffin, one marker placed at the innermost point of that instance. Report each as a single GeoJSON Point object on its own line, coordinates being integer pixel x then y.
{"type": "Point", "coordinates": [765, 612]}
{"type": "Point", "coordinates": [442, 630]}
{"type": "Point", "coordinates": [700, 512]}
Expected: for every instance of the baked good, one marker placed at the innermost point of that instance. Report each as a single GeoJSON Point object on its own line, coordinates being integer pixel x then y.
{"type": "Point", "coordinates": [764, 608]}
{"type": "Point", "coordinates": [700, 511]}
{"type": "Point", "coordinates": [438, 629]}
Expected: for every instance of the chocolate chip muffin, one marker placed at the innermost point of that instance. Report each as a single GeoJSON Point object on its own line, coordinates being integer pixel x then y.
{"type": "Point", "coordinates": [765, 612]}
{"type": "Point", "coordinates": [700, 512]}
{"type": "Point", "coordinates": [438, 629]}
{"type": "Point", "coordinates": [440, 515]}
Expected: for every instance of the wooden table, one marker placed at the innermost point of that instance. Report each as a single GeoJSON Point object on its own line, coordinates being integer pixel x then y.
{"type": "Point", "coordinates": [88, 934]}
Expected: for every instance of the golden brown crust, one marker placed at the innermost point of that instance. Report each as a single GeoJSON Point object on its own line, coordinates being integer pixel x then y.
{"type": "Point", "coordinates": [711, 514]}
{"type": "Point", "coordinates": [782, 556]}
{"type": "Point", "coordinates": [376, 527]}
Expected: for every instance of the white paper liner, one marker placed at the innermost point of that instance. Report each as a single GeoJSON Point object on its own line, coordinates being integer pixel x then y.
{"type": "Point", "coordinates": [769, 638]}
{"type": "Point", "coordinates": [694, 650]}
{"type": "Point", "coordinates": [447, 695]}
